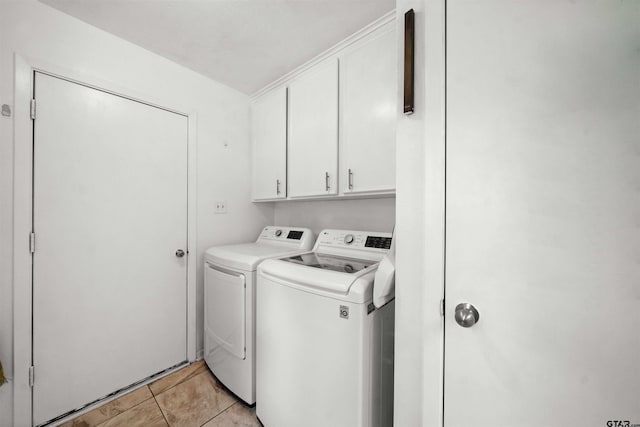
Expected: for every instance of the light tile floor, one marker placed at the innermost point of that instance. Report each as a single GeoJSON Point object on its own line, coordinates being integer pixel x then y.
{"type": "Point", "coordinates": [190, 397]}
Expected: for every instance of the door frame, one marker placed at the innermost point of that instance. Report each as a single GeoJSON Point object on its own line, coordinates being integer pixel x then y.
{"type": "Point", "coordinates": [23, 208]}
{"type": "Point", "coordinates": [420, 222]}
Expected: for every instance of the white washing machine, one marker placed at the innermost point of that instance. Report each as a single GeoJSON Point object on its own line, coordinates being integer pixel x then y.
{"type": "Point", "coordinates": [229, 307]}
{"type": "Point", "coordinates": [324, 351]}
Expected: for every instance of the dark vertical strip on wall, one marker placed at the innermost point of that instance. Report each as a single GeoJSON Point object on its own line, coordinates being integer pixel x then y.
{"type": "Point", "coordinates": [409, 34]}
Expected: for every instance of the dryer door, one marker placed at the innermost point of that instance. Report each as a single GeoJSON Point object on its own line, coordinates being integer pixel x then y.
{"type": "Point", "coordinates": [224, 293]}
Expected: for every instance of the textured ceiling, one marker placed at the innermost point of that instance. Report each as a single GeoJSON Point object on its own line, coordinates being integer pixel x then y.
{"type": "Point", "coordinates": [245, 44]}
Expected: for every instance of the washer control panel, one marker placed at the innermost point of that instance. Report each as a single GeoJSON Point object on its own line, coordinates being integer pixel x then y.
{"type": "Point", "coordinates": [354, 239]}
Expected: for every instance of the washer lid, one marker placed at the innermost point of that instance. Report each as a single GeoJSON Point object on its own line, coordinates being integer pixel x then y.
{"type": "Point", "coordinates": [330, 262]}
{"type": "Point", "coordinates": [311, 277]}
{"type": "Point", "coordinates": [246, 256]}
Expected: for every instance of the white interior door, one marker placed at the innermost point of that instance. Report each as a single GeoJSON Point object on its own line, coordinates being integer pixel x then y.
{"type": "Point", "coordinates": [110, 211]}
{"type": "Point", "coordinates": [543, 213]}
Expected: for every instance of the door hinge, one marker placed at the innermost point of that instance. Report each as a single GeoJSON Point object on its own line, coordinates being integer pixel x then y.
{"type": "Point", "coordinates": [33, 109]}
{"type": "Point", "coordinates": [442, 307]}
{"type": "Point", "coordinates": [31, 376]}
{"type": "Point", "coordinates": [32, 242]}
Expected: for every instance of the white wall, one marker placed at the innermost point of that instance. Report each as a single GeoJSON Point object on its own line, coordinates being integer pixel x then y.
{"type": "Point", "coordinates": [37, 32]}
{"type": "Point", "coordinates": [354, 214]}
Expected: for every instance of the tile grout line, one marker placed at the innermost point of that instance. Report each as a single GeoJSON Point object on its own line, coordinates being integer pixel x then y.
{"type": "Point", "coordinates": [166, 420]}
{"type": "Point", "coordinates": [179, 382]}
{"type": "Point", "coordinates": [126, 410]}
{"type": "Point", "coordinates": [153, 395]}
{"type": "Point", "coordinates": [161, 411]}
{"type": "Point", "coordinates": [220, 413]}
{"type": "Point", "coordinates": [224, 409]}
{"type": "Point", "coordinates": [183, 380]}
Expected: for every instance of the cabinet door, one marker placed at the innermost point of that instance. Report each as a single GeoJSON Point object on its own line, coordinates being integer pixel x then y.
{"type": "Point", "coordinates": [368, 119]}
{"type": "Point", "coordinates": [313, 132]}
{"type": "Point", "coordinates": [270, 145]}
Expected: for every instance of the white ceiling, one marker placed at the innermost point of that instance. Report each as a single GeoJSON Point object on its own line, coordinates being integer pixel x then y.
{"type": "Point", "coordinates": [244, 44]}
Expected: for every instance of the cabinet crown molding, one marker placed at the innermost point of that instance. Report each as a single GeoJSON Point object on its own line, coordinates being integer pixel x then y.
{"type": "Point", "coordinates": [335, 49]}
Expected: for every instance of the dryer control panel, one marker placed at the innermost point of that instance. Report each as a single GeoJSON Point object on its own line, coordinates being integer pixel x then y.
{"type": "Point", "coordinates": [298, 236]}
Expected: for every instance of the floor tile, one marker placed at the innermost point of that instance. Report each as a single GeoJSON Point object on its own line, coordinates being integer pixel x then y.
{"type": "Point", "coordinates": [146, 414]}
{"type": "Point", "coordinates": [110, 409]}
{"type": "Point", "coordinates": [238, 415]}
{"type": "Point", "coordinates": [177, 377]}
{"type": "Point", "coordinates": [195, 401]}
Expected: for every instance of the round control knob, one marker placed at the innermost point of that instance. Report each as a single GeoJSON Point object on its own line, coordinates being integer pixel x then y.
{"type": "Point", "coordinates": [348, 239]}
{"type": "Point", "coordinates": [278, 233]}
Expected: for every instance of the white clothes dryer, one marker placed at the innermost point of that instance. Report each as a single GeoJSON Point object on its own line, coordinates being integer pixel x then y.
{"type": "Point", "coordinates": [229, 303]}
{"type": "Point", "coordinates": [324, 351]}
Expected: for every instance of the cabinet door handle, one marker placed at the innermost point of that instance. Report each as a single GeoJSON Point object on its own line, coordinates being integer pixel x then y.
{"type": "Point", "coordinates": [350, 179]}
{"type": "Point", "coordinates": [277, 186]}
{"type": "Point", "coordinates": [326, 181]}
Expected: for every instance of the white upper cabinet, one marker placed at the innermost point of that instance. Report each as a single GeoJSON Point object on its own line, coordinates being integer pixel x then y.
{"type": "Point", "coordinates": [313, 132]}
{"type": "Point", "coordinates": [269, 129]}
{"type": "Point", "coordinates": [328, 128]}
{"type": "Point", "coordinates": [368, 91]}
